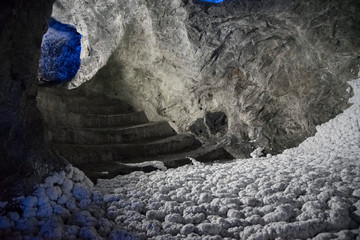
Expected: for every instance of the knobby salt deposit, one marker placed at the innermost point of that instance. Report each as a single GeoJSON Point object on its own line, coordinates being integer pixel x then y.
{"type": "Point", "coordinates": [312, 191]}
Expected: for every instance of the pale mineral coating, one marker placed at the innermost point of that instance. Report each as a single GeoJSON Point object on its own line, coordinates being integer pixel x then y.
{"type": "Point", "coordinates": [311, 191]}
{"type": "Point", "coordinates": [63, 207]}
{"type": "Point", "coordinates": [275, 68]}
{"type": "Point", "coordinates": [307, 192]}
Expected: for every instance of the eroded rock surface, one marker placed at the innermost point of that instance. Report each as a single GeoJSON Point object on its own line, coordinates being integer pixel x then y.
{"type": "Point", "coordinates": [100, 24]}
{"type": "Point", "coordinates": [60, 53]}
{"type": "Point", "coordinates": [24, 156]}
{"type": "Point", "coordinates": [275, 68]}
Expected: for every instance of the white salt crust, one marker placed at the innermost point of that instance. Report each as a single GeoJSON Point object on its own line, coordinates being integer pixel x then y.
{"type": "Point", "coordinates": [308, 192]}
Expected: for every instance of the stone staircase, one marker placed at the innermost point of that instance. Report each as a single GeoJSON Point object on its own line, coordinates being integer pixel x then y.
{"type": "Point", "coordinates": [106, 137]}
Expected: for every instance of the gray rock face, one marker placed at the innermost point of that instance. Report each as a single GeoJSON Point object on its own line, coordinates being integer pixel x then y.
{"type": "Point", "coordinates": [101, 25]}
{"type": "Point", "coordinates": [199, 128]}
{"type": "Point", "coordinates": [278, 66]}
{"type": "Point", "coordinates": [214, 123]}
{"type": "Point", "coordinates": [24, 157]}
{"type": "Point", "coordinates": [275, 68]}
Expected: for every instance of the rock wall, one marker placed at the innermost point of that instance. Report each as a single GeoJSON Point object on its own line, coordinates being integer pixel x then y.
{"type": "Point", "coordinates": [276, 69]}
{"type": "Point", "coordinates": [101, 25]}
{"type": "Point", "coordinates": [24, 158]}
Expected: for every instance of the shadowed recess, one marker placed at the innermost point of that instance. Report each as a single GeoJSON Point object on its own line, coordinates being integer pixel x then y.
{"type": "Point", "coordinates": [60, 53]}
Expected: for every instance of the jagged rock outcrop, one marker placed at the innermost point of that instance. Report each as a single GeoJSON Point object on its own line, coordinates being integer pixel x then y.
{"type": "Point", "coordinates": [24, 158]}
{"type": "Point", "coordinates": [275, 68]}
{"type": "Point", "coordinates": [101, 25]}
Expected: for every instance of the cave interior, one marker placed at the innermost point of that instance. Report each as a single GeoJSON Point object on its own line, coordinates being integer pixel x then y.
{"type": "Point", "coordinates": [203, 119]}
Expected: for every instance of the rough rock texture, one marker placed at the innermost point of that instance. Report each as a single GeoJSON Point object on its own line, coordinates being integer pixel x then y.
{"type": "Point", "coordinates": [101, 26]}
{"type": "Point", "coordinates": [23, 155]}
{"type": "Point", "coordinates": [60, 53]}
{"type": "Point", "coordinates": [275, 68]}
{"type": "Point", "coordinates": [214, 123]}
{"type": "Point", "coordinates": [307, 192]}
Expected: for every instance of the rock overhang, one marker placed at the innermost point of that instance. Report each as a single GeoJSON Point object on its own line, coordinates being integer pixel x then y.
{"type": "Point", "coordinates": [261, 64]}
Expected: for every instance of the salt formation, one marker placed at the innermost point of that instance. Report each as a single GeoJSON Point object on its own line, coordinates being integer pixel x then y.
{"type": "Point", "coordinates": [275, 69]}
{"type": "Point", "coordinates": [306, 192]}
{"type": "Point", "coordinates": [63, 207]}
{"type": "Point", "coordinates": [312, 191]}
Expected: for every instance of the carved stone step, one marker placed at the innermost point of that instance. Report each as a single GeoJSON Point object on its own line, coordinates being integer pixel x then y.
{"type": "Point", "coordinates": [81, 154]}
{"type": "Point", "coordinates": [100, 108]}
{"type": "Point", "coordinates": [145, 131]}
{"type": "Point", "coordinates": [98, 121]}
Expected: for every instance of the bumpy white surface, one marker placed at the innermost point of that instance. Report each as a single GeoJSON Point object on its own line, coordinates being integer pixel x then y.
{"type": "Point", "coordinates": [312, 191]}
{"type": "Point", "coordinates": [63, 207]}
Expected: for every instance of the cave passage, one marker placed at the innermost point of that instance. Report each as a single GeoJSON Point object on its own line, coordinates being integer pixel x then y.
{"type": "Point", "coordinates": [60, 53]}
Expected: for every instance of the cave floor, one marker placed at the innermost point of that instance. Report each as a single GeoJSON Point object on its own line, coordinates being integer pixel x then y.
{"type": "Point", "coordinates": [312, 191]}
{"type": "Point", "coordinates": [308, 192]}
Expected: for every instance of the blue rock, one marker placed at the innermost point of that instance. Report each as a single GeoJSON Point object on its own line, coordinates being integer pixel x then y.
{"type": "Point", "coordinates": [212, 1]}
{"type": "Point", "coordinates": [60, 53]}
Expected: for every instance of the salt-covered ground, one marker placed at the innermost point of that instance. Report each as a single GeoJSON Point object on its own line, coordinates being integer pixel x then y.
{"type": "Point", "coordinates": [312, 191]}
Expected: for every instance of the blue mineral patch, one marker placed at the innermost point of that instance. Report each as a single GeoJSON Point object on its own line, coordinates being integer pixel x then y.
{"type": "Point", "coordinates": [60, 53]}
{"type": "Point", "coordinates": [212, 1]}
